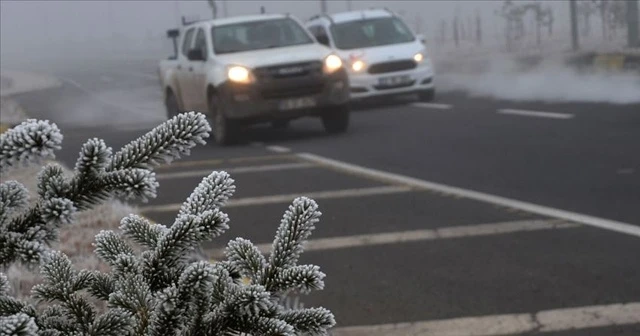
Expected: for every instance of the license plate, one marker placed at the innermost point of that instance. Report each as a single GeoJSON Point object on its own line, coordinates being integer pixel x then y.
{"type": "Point", "coordinates": [395, 80]}
{"type": "Point", "coordinates": [297, 103]}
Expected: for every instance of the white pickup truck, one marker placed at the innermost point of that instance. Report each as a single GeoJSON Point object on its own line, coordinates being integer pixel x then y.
{"type": "Point", "coordinates": [254, 69]}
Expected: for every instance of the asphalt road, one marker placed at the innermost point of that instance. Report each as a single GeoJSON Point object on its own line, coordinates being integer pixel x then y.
{"type": "Point", "coordinates": [397, 249]}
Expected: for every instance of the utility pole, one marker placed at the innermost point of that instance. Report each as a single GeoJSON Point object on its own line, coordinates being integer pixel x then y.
{"type": "Point", "coordinates": [574, 24]}
{"type": "Point", "coordinates": [225, 10]}
{"type": "Point", "coordinates": [633, 25]}
{"type": "Point", "coordinates": [323, 6]}
{"type": "Point", "coordinates": [349, 5]}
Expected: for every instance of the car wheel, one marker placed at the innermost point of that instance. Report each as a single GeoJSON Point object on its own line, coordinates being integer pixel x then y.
{"type": "Point", "coordinates": [427, 95]}
{"type": "Point", "coordinates": [280, 124]}
{"type": "Point", "coordinates": [336, 119]}
{"type": "Point", "coordinates": [171, 104]}
{"type": "Point", "coordinates": [225, 131]}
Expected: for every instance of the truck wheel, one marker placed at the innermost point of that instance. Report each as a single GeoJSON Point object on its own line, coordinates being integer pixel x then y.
{"type": "Point", "coordinates": [427, 95]}
{"type": "Point", "coordinates": [225, 131]}
{"type": "Point", "coordinates": [171, 105]}
{"type": "Point", "coordinates": [336, 119]}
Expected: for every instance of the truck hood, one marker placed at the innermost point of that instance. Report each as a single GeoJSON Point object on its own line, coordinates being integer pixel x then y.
{"type": "Point", "coordinates": [383, 53]}
{"type": "Point", "coordinates": [266, 57]}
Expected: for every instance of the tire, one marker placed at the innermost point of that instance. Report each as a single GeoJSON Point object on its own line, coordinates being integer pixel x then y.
{"type": "Point", "coordinates": [171, 104]}
{"type": "Point", "coordinates": [336, 119]}
{"type": "Point", "coordinates": [280, 124]}
{"type": "Point", "coordinates": [427, 95]}
{"type": "Point", "coordinates": [225, 131]}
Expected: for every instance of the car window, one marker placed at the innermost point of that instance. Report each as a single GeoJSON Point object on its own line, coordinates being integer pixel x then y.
{"type": "Point", "coordinates": [256, 35]}
{"type": "Point", "coordinates": [186, 43]}
{"type": "Point", "coordinates": [370, 33]}
{"type": "Point", "coordinates": [201, 42]}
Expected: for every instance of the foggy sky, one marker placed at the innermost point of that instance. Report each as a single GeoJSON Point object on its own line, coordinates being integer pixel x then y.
{"type": "Point", "coordinates": [49, 28]}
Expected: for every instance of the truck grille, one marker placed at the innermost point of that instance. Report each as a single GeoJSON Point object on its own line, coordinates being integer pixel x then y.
{"type": "Point", "coordinates": [283, 71]}
{"type": "Point", "coordinates": [393, 66]}
{"type": "Point", "coordinates": [306, 89]}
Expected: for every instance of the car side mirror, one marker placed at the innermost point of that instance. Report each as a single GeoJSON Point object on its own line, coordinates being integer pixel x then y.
{"type": "Point", "coordinates": [323, 39]}
{"type": "Point", "coordinates": [195, 55]}
{"type": "Point", "coordinates": [421, 38]}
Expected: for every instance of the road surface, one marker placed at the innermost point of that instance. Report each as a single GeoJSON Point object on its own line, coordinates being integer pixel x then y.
{"type": "Point", "coordinates": [523, 217]}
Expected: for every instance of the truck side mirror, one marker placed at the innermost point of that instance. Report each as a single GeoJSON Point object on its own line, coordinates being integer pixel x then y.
{"type": "Point", "coordinates": [195, 55]}
{"type": "Point", "coordinates": [323, 39]}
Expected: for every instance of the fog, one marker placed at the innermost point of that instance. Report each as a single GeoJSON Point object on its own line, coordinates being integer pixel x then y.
{"type": "Point", "coordinates": [52, 35]}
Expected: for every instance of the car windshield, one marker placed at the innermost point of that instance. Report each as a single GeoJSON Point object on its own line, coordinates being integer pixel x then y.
{"type": "Point", "coordinates": [370, 33]}
{"type": "Point", "coordinates": [256, 35]}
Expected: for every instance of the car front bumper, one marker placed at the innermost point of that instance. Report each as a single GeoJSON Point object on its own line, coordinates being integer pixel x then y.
{"type": "Point", "coordinates": [365, 85]}
{"type": "Point", "coordinates": [288, 98]}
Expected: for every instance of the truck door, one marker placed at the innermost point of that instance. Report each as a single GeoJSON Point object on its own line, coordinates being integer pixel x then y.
{"type": "Point", "coordinates": [198, 70]}
{"type": "Point", "coordinates": [182, 73]}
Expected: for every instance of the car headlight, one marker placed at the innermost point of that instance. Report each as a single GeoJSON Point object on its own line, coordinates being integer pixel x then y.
{"type": "Point", "coordinates": [358, 66]}
{"type": "Point", "coordinates": [419, 57]}
{"type": "Point", "coordinates": [332, 63]}
{"type": "Point", "coordinates": [239, 74]}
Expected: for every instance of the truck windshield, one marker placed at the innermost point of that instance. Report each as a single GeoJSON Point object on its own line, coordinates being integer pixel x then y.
{"type": "Point", "coordinates": [370, 33]}
{"type": "Point", "coordinates": [256, 35]}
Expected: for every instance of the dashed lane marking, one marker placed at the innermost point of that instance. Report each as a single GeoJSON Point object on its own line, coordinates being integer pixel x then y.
{"type": "Point", "coordinates": [398, 179]}
{"type": "Point", "coordinates": [579, 318]}
{"type": "Point", "coordinates": [278, 149]}
{"type": "Point", "coordinates": [536, 114]}
{"type": "Point", "coordinates": [432, 106]}
{"type": "Point", "coordinates": [287, 198]}
{"type": "Point", "coordinates": [451, 232]}
{"type": "Point", "coordinates": [213, 162]}
{"type": "Point", "coordinates": [235, 170]}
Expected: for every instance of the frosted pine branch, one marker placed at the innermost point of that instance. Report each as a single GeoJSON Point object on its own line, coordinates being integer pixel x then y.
{"type": "Point", "coordinates": [19, 324]}
{"type": "Point", "coordinates": [98, 175]}
{"type": "Point", "coordinates": [29, 142]}
{"type": "Point", "coordinates": [164, 143]}
{"type": "Point", "coordinates": [159, 290]}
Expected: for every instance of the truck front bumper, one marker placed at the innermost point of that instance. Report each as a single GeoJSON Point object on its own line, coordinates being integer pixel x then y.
{"type": "Point", "coordinates": [288, 98]}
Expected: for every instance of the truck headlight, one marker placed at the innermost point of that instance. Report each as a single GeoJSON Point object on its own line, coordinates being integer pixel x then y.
{"type": "Point", "coordinates": [332, 63]}
{"type": "Point", "coordinates": [239, 74]}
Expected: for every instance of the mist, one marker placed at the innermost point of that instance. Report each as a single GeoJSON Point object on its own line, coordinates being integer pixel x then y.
{"type": "Point", "coordinates": [550, 81]}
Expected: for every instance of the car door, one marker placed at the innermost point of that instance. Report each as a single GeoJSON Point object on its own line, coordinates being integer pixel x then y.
{"type": "Point", "coordinates": [198, 72]}
{"type": "Point", "coordinates": [183, 74]}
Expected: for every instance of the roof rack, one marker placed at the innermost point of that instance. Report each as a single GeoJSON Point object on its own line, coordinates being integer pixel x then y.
{"type": "Point", "coordinates": [321, 15]}
{"type": "Point", "coordinates": [187, 23]}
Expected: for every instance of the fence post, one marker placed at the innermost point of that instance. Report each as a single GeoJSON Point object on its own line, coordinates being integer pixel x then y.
{"type": "Point", "coordinates": [632, 23]}
{"type": "Point", "coordinates": [574, 24]}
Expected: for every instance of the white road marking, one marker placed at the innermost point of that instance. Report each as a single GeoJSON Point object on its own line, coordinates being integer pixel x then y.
{"type": "Point", "coordinates": [602, 223]}
{"type": "Point", "coordinates": [278, 149]}
{"type": "Point", "coordinates": [424, 235]}
{"type": "Point", "coordinates": [106, 79]}
{"type": "Point", "coordinates": [287, 198]}
{"type": "Point", "coordinates": [538, 114]}
{"type": "Point", "coordinates": [432, 105]}
{"type": "Point", "coordinates": [509, 324]}
{"type": "Point", "coordinates": [195, 163]}
{"type": "Point", "coordinates": [236, 170]}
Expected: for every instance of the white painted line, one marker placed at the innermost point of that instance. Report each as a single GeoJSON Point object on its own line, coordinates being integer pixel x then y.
{"type": "Point", "coordinates": [195, 163]}
{"type": "Point", "coordinates": [278, 149]}
{"type": "Point", "coordinates": [424, 235]}
{"type": "Point", "coordinates": [537, 114]}
{"type": "Point", "coordinates": [235, 170]}
{"type": "Point", "coordinates": [432, 106]}
{"type": "Point", "coordinates": [475, 195]}
{"type": "Point", "coordinates": [287, 198]}
{"type": "Point", "coordinates": [498, 325]}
